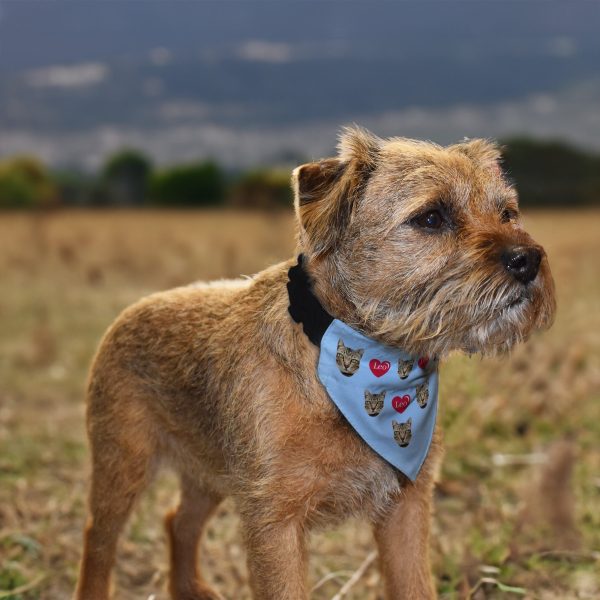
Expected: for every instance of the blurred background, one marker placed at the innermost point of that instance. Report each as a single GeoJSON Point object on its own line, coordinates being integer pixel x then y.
{"type": "Point", "coordinates": [146, 144]}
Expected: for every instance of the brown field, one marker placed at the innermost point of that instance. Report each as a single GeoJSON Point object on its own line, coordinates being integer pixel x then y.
{"type": "Point", "coordinates": [518, 502]}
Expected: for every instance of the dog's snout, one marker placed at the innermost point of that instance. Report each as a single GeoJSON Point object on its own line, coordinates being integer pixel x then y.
{"type": "Point", "coordinates": [522, 262]}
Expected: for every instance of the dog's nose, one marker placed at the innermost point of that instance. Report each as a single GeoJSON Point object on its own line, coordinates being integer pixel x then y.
{"type": "Point", "coordinates": [522, 262]}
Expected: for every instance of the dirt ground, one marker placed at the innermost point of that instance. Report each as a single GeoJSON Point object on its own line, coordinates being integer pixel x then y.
{"type": "Point", "coordinates": [518, 502]}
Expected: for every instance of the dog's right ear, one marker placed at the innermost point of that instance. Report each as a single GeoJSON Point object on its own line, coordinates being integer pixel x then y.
{"type": "Point", "coordinates": [326, 191]}
{"type": "Point", "coordinates": [321, 203]}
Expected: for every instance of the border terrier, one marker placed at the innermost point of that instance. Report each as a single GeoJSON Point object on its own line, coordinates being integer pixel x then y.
{"type": "Point", "coordinates": [409, 244]}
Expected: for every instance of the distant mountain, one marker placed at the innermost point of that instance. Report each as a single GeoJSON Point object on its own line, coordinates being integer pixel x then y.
{"type": "Point", "coordinates": [79, 79]}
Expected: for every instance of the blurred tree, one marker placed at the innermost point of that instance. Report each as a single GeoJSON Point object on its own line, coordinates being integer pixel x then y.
{"type": "Point", "coordinates": [76, 188]}
{"type": "Point", "coordinates": [266, 188]}
{"type": "Point", "coordinates": [547, 173]}
{"type": "Point", "coordinates": [199, 184]}
{"type": "Point", "coordinates": [25, 183]}
{"type": "Point", "coordinates": [126, 176]}
{"type": "Point", "coordinates": [552, 173]}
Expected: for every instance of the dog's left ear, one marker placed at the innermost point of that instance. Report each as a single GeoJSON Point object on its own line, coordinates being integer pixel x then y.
{"type": "Point", "coordinates": [326, 191]}
{"type": "Point", "coordinates": [484, 152]}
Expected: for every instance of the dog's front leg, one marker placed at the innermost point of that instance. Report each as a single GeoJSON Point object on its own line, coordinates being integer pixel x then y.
{"type": "Point", "coordinates": [277, 559]}
{"type": "Point", "coordinates": [403, 541]}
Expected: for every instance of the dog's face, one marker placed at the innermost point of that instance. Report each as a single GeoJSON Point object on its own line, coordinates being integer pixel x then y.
{"type": "Point", "coordinates": [421, 246]}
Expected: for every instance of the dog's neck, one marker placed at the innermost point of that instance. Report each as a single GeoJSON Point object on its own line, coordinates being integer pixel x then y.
{"type": "Point", "coordinates": [330, 285]}
{"type": "Point", "coordinates": [314, 308]}
{"type": "Point", "coordinates": [304, 306]}
{"type": "Point", "coordinates": [350, 364]}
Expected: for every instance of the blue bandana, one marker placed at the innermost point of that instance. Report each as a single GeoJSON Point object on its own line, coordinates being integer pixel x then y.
{"type": "Point", "coordinates": [387, 396]}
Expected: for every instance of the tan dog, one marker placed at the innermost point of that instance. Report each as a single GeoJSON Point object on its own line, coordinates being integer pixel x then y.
{"type": "Point", "coordinates": [415, 245]}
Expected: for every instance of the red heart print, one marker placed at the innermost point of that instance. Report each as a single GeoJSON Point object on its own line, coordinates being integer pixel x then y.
{"type": "Point", "coordinates": [423, 362]}
{"type": "Point", "coordinates": [400, 403]}
{"type": "Point", "coordinates": [379, 368]}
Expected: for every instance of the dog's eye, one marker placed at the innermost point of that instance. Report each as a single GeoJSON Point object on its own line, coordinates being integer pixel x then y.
{"type": "Point", "coordinates": [508, 215]}
{"type": "Point", "coordinates": [432, 219]}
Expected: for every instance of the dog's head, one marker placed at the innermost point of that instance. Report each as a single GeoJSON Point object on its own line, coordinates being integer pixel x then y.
{"type": "Point", "coordinates": [421, 246]}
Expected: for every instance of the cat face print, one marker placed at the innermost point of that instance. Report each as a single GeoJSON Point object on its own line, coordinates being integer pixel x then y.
{"type": "Point", "coordinates": [374, 403]}
{"type": "Point", "coordinates": [402, 432]}
{"type": "Point", "coordinates": [347, 359]}
{"type": "Point", "coordinates": [405, 367]}
{"type": "Point", "coordinates": [423, 394]}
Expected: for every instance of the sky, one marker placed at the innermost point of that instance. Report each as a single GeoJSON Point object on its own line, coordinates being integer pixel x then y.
{"type": "Point", "coordinates": [252, 82]}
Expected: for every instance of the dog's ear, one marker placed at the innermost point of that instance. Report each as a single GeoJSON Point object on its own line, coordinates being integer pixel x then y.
{"type": "Point", "coordinates": [484, 152]}
{"type": "Point", "coordinates": [326, 191]}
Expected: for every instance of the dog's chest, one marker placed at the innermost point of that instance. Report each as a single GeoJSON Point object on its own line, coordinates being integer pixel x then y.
{"type": "Point", "coordinates": [359, 488]}
{"type": "Point", "coordinates": [333, 469]}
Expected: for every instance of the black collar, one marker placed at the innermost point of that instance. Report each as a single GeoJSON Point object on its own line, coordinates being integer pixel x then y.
{"type": "Point", "coordinates": [304, 306]}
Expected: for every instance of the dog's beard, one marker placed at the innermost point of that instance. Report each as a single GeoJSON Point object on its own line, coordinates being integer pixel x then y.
{"type": "Point", "coordinates": [496, 334]}
{"type": "Point", "coordinates": [517, 311]}
{"type": "Point", "coordinates": [479, 314]}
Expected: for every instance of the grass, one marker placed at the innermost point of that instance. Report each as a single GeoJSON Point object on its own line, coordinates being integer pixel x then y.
{"type": "Point", "coordinates": [517, 507]}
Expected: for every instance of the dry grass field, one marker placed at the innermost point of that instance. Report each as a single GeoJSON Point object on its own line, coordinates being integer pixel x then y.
{"type": "Point", "coordinates": [518, 502]}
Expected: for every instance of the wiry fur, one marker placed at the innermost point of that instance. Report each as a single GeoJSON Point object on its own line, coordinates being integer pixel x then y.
{"type": "Point", "coordinates": [218, 381]}
{"type": "Point", "coordinates": [450, 290]}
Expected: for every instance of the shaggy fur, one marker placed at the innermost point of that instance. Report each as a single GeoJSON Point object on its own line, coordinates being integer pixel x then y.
{"type": "Point", "coordinates": [218, 380]}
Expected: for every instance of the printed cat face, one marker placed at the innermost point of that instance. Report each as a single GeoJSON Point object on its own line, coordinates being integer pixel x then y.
{"type": "Point", "coordinates": [405, 367]}
{"type": "Point", "coordinates": [402, 432]}
{"type": "Point", "coordinates": [374, 403]}
{"type": "Point", "coordinates": [423, 394]}
{"type": "Point", "coordinates": [347, 359]}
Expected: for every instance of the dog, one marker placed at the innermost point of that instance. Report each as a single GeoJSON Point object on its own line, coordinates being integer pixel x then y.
{"type": "Point", "coordinates": [416, 246]}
